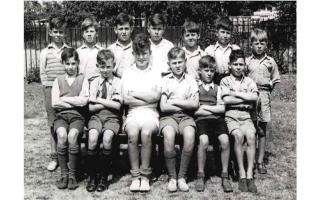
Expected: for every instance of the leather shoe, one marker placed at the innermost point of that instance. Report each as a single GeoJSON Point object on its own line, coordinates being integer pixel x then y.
{"type": "Point", "coordinates": [91, 186]}
{"type": "Point", "coordinates": [102, 184]}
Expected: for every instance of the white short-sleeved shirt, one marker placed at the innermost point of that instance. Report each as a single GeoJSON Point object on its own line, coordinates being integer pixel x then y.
{"type": "Point", "coordinates": [192, 62]}
{"type": "Point", "coordinates": [88, 60]}
{"type": "Point", "coordinates": [159, 55]}
{"type": "Point", "coordinates": [123, 57]}
{"type": "Point", "coordinates": [221, 55]}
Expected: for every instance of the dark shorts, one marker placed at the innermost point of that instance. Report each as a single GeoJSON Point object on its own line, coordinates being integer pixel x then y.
{"type": "Point", "coordinates": [211, 127]}
{"type": "Point", "coordinates": [69, 121]}
{"type": "Point", "coordinates": [48, 105]}
{"type": "Point", "coordinates": [102, 123]}
{"type": "Point", "coordinates": [177, 122]}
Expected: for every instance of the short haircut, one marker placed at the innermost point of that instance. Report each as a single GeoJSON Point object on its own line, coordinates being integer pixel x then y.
{"type": "Point", "coordinates": [103, 55]}
{"type": "Point", "coordinates": [88, 22]}
{"type": "Point", "coordinates": [157, 19]}
{"type": "Point", "coordinates": [176, 52]}
{"type": "Point", "coordinates": [235, 54]}
{"type": "Point", "coordinates": [207, 62]}
{"type": "Point", "coordinates": [190, 26]}
{"type": "Point", "coordinates": [225, 23]}
{"type": "Point", "coordinates": [123, 18]}
{"type": "Point", "coordinates": [141, 43]}
{"type": "Point", "coordinates": [68, 53]}
{"type": "Point", "coordinates": [258, 34]}
{"type": "Point", "coordinates": [57, 23]}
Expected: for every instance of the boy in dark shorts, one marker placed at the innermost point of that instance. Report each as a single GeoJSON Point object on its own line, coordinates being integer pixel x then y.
{"type": "Point", "coordinates": [239, 93]}
{"type": "Point", "coordinates": [105, 106]}
{"type": "Point", "coordinates": [70, 93]}
{"type": "Point", "coordinates": [210, 122]}
{"type": "Point", "coordinates": [179, 100]}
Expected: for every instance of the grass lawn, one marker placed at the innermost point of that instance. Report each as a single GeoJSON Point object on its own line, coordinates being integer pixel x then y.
{"type": "Point", "coordinates": [279, 183]}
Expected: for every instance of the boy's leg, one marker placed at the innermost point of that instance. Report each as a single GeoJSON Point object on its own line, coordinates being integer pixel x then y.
{"type": "Point", "coordinates": [262, 130]}
{"type": "Point", "coordinates": [202, 155]}
{"type": "Point", "coordinates": [73, 136]}
{"type": "Point", "coordinates": [62, 156]}
{"type": "Point", "coordinates": [132, 129]}
{"type": "Point", "coordinates": [188, 134]}
{"type": "Point", "coordinates": [146, 135]}
{"type": "Point", "coordinates": [93, 137]}
{"type": "Point", "coordinates": [225, 155]}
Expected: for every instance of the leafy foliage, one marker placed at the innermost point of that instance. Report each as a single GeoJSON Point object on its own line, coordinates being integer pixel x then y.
{"type": "Point", "coordinates": [33, 75]}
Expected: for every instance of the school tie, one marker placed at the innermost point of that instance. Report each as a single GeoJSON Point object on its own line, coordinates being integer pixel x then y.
{"type": "Point", "coordinates": [104, 89]}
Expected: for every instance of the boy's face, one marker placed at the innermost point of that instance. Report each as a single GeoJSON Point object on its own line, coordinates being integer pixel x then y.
{"type": "Point", "coordinates": [106, 68]}
{"type": "Point", "coordinates": [156, 32]}
{"type": "Point", "coordinates": [142, 58]}
{"type": "Point", "coordinates": [237, 67]}
{"type": "Point", "coordinates": [123, 32]}
{"type": "Point", "coordinates": [89, 35]}
{"type": "Point", "coordinates": [57, 35]}
{"type": "Point", "coordinates": [206, 74]}
{"type": "Point", "coordinates": [71, 66]}
{"type": "Point", "coordinates": [259, 47]}
{"type": "Point", "coordinates": [223, 36]}
{"type": "Point", "coordinates": [177, 65]}
{"type": "Point", "coordinates": [190, 39]}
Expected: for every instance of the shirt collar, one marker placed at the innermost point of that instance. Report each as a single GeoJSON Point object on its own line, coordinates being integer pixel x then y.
{"type": "Point", "coordinates": [85, 46]}
{"type": "Point", "coordinates": [200, 82]}
{"type": "Point", "coordinates": [252, 57]}
{"type": "Point", "coordinates": [194, 53]}
{"type": "Point", "coordinates": [137, 69]}
{"type": "Point", "coordinates": [157, 45]}
{"type": "Point", "coordinates": [171, 76]}
{"type": "Point", "coordinates": [110, 80]}
{"type": "Point", "coordinates": [233, 78]}
{"type": "Point", "coordinates": [52, 45]}
{"type": "Point", "coordinates": [122, 46]}
{"type": "Point", "coordinates": [217, 45]}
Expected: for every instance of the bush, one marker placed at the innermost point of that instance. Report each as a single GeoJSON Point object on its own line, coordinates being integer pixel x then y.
{"type": "Point", "coordinates": [33, 75]}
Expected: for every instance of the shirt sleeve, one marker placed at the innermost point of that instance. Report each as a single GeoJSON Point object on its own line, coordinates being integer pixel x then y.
{"type": "Point", "coordinates": [252, 86]}
{"type": "Point", "coordinates": [55, 93]}
{"type": "Point", "coordinates": [117, 92]}
{"type": "Point", "coordinates": [85, 88]}
{"type": "Point", "coordinates": [219, 99]}
{"type": "Point", "coordinates": [94, 88]}
{"type": "Point", "coordinates": [164, 86]}
{"type": "Point", "coordinates": [43, 60]}
{"type": "Point", "coordinates": [275, 75]}
{"type": "Point", "coordinates": [194, 88]}
{"type": "Point", "coordinates": [225, 87]}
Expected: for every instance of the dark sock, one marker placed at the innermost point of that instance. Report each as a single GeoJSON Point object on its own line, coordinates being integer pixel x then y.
{"type": "Point", "coordinates": [184, 163]}
{"type": "Point", "coordinates": [62, 158]}
{"type": "Point", "coordinates": [92, 162]}
{"type": "Point", "coordinates": [170, 158]}
{"type": "Point", "coordinates": [106, 162]}
{"type": "Point", "coordinates": [73, 157]}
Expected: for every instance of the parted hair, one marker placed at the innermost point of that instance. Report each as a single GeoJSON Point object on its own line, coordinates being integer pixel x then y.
{"type": "Point", "coordinates": [207, 61]}
{"type": "Point", "coordinates": [123, 18]}
{"type": "Point", "coordinates": [103, 55]}
{"type": "Point", "coordinates": [157, 19]}
{"type": "Point", "coordinates": [258, 34]}
{"type": "Point", "coordinates": [235, 54]}
{"type": "Point", "coordinates": [68, 53]}
{"type": "Point", "coordinates": [190, 26]}
{"type": "Point", "coordinates": [140, 43]}
{"type": "Point", "coordinates": [225, 23]}
{"type": "Point", "coordinates": [57, 23]}
{"type": "Point", "coordinates": [88, 22]}
{"type": "Point", "coordinates": [176, 52]}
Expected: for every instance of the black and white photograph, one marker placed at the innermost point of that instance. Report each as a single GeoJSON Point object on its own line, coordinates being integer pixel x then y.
{"type": "Point", "coordinates": [161, 100]}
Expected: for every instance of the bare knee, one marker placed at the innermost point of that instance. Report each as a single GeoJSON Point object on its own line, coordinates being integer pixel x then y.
{"type": "Point", "coordinates": [73, 136]}
{"type": "Point", "coordinates": [224, 141]}
{"type": "Point", "coordinates": [169, 135]}
{"type": "Point", "coordinates": [107, 139]}
{"type": "Point", "coordinates": [203, 141]}
{"type": "Point", "coordinates": [251, 137]}
{"type": "Point", "coordinates": [93, 136]}
{"type": "Point", "coordinates": [238, 136]}
{"type": "Point", "coordinates": [188, 138]}
{"type": "Point", "coordinates": [62, 135]}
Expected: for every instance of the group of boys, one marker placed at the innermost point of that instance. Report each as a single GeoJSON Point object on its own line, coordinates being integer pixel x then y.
{"type": "Point", "coordinates": [162, 89]}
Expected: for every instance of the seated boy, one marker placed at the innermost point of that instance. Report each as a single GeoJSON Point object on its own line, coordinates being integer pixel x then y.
{"type": "Point", "coordinates": [179, 100]}
{"type": "Point", "coordinates": [88, 51]}
{"type": "Point", "coordinates": [159, 45]}
{"type": "Point", "coordinates": [264, 71]}
{"type": "Point", "coordinates": [210, 122]}
{"type": "Point", "coordinates": [141, 94]}
{"type": "Point", "coordinates": [239, 93]}
{"type": "Point", "coordinates": [105, 103]}
{"type": "Point", "coordinates": [191, 35]}
{"type": "Point", "coordinates": [122, 48]}
{"type": "Point", "coordinates": [221, 50]}
{"type": "Point", "coordinates": [70, 94]}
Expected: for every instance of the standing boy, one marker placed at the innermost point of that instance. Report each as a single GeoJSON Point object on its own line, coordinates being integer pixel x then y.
{"type": "Point", "coordinates": [70, 94]}
{"type": "Point", "coordinates": [191, 35]}
{"type": "Point", "coordinates": [210, 122]}
{"type": "Point", "coordinates": [122, 48]}
{"type": "Point", "coordinates": [141, 94]}
{"type": "Point", "coordinates": [50, 68]}
{"type": "Point", "coordinates": [179, 100]}
{"type": "Point", "coordinates": [264, 71]}
{"type": "Point", "coordinates": [105, 105]}
{"type": "Point", "coordinates": [221, 50]}
{"type": "Point", "coordinates": [88, 51]}
{"type": "Point", "coordinates": [159, 45]}
{"type": "Point", "coordinates": [239, 93]}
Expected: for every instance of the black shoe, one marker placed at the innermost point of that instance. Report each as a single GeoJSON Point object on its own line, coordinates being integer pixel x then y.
{"type": "Point", "coordinates": [251, 186]}
{"type": "Point", "coordinates": [261, 168]}
{"type": "Point", "coordinates": [225, 182]}
{"type": "Point", "coordinates": [91, 186]}
{"type": "Point", "coordinates": [72, 184]}
{"type": "Point", "coordinates": [243, 185]}
{"type": "Point", "coordinates": [103, 184]}
{"type": "Point", "coordinates": [200, 184]}
{"type": "Point", "coordinates": [62, 183]}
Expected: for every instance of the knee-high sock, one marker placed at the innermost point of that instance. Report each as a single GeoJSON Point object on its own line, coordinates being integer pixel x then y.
{"type": "Point", "coordinates": [62, 158]}
{"type": "Point", "coordinates": [92, 162]}
{"type": "Point", "coordinates": [105, 163]}
{"type": "Point", "coordinates": [73, 158]}
{"type": "Point", "coordinates": [170, 158]}
{"type": "Point", "coordinates": [184, 164]}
